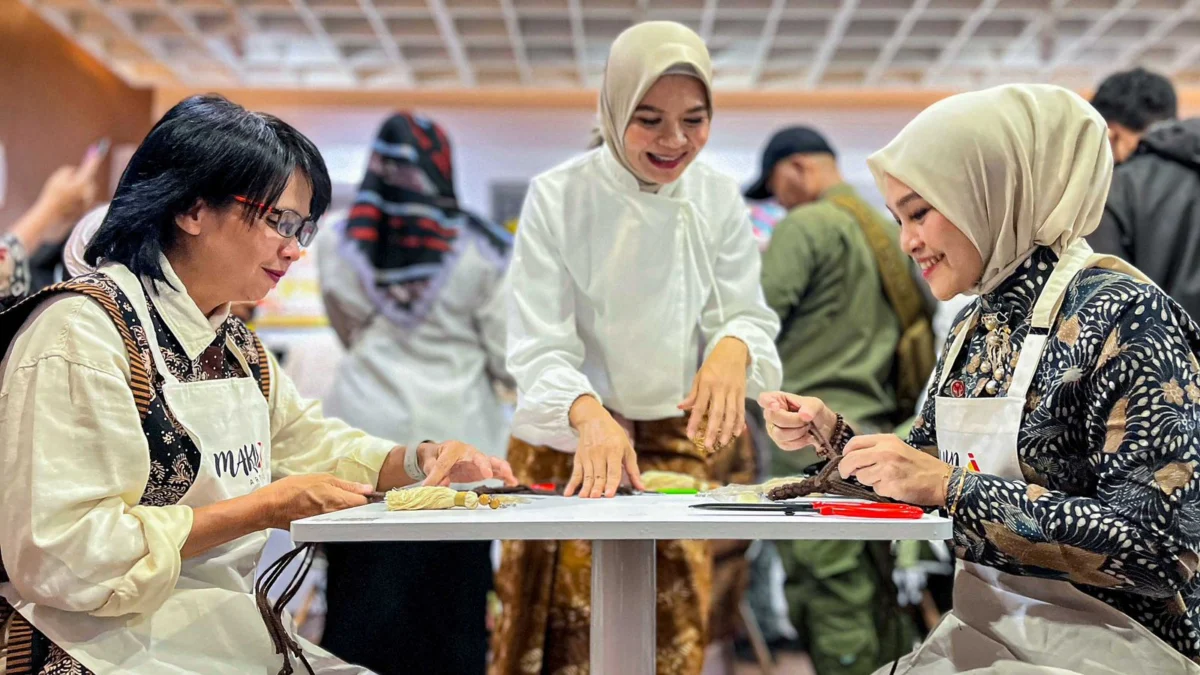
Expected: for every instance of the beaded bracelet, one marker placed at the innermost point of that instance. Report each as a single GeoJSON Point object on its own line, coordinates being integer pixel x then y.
{"type": "Point", "coordinates": [839, 437]}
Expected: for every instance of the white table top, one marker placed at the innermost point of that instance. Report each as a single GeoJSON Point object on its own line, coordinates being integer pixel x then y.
{"type": "Point", "coordinates": [631, 517]}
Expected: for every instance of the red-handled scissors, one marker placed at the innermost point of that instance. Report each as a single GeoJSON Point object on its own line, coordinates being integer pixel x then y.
{"type": "Point", "coordinates": [872, 510]}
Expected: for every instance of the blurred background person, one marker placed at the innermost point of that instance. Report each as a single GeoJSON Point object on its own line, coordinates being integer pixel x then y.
{"type": "Point", "coordinates": [1152, 217]}
{"type": "Point", "coordinates": [413, 285]}
{"type": "Point", "coordinates": [825, 273]}
{"type": "Point", "coordinates": [66, 195]}
{"type": "Point", "coordinates": [1131, 102]}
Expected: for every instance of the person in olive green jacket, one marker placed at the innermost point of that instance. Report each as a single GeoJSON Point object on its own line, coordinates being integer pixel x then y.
{"type": "Point", "coordinates": [838, 342]}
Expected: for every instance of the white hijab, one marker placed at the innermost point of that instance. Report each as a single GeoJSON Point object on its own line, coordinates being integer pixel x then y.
{"type": "Point", "coordinates": [1014, 168]}
{"type": "Point", "coordinates": [638, 57]}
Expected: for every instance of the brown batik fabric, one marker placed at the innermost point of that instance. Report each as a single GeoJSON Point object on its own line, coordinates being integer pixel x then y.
{"type": "Point", "coordinates": [545, 586]}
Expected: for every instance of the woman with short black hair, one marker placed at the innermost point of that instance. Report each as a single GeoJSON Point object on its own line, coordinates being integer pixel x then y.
{"type": "Point", "coordinates": [148, 440]}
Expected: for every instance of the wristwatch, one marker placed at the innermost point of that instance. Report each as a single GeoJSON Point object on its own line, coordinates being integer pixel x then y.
{"type": "Point", "coordinates": [412, 462]}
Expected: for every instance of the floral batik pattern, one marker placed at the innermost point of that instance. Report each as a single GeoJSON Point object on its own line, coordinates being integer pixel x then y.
{"type": "Point", "coordinates": [1108, 449]}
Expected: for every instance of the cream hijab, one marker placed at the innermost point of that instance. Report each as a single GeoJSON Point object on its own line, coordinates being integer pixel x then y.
{"type": "Point", "coordinates": [1014, 168]}
{"type": "Point", "coordinates": [638, 57]}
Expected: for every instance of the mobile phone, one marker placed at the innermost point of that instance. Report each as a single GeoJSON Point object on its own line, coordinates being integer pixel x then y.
{"type": "Point", "coordinates": [98, 149]}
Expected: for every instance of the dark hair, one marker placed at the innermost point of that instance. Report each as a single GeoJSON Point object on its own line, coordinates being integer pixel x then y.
{"type": "Point", "coordinates": [205, 149]}
{"type": "Point", "coordinates": [1136, 99]}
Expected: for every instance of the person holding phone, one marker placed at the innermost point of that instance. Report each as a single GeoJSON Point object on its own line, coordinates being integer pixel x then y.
{"type": "Point", "coordinates": [66, 195]}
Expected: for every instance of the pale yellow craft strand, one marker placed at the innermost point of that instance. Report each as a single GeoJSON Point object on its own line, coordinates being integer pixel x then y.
{"type": "Point", "coordinates": [430, 498]}
{"type": "Point", "coordinates": [436, 498]}
{"type": "Point", "coordinates": [671, 480]}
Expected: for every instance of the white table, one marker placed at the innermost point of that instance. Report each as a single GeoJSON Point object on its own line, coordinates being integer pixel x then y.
{"type": "Point", "coordinates": [623, 531]}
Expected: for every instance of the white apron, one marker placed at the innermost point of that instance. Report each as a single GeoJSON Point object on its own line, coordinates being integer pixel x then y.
{"type": "Point", "coordinates": [210, 623]}
{"type": "Point", "coordinates": [1002, 623]}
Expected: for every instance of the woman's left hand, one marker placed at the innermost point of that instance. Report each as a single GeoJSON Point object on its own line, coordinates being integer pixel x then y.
{"type": "Point", "coordinates": [895, 469]}
{"type": "Point", "coordinates": [455, 462]}
{"type": "Point", "coordinates": [719, 391]}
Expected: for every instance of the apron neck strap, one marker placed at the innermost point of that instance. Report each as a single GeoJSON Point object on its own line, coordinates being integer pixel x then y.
{"type": "Point", "coordinates": [967, 327]}
{"type": "Point", "coordinates": [1073, 259]}
{"type": "Point", "coordinates": [141, 306]}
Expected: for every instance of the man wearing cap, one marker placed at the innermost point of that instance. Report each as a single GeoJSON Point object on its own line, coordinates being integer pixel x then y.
{"type": "Point", "coordinates": [838, 342]}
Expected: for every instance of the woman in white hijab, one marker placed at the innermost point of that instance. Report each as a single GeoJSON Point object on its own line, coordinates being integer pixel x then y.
{"type": "Point", "coordinates": [1063, 431]}
{"type": "Point", "coordinates": [635, 298]}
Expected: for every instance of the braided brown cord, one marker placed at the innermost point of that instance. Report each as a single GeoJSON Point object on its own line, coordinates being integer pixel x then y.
{"type": "Point", "coordinates": [828, 480]}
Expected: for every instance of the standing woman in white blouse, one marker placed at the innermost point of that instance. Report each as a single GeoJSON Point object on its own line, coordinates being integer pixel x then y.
{"type": "Point", "coordinates": [635, 300]}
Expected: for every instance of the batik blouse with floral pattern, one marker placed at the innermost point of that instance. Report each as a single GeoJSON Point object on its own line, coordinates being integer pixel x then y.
{"type": "Point", "coordinates": [1109, 448]}
{"type": "Point", "coordinates": [14, 270]}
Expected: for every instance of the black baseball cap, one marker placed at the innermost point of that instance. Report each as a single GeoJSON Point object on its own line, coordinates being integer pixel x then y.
{"type": "Point", "coordinates": [784, 144]}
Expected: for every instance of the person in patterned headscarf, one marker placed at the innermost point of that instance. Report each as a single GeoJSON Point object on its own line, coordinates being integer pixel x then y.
{"type": "Point", "coordinates": [1062, 429]}
{"type": "Point", "coordinates": [413, 285]}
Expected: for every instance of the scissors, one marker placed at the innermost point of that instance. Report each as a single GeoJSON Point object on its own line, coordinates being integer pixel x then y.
{"type": "Point", "coordinates": [890, 511]}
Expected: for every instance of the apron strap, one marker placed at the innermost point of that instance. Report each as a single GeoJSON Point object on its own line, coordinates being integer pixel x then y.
{"type": "Point", "coordinates": [109, 298]}
{"type": "Point", "coordinates": [967, 327]}
{"type": "Point", "coordinates": [141, 305]}
{"type": "Point", "coordinates": [1075, 258]}
{"type": "Point", "coordinates": [1045, 311]}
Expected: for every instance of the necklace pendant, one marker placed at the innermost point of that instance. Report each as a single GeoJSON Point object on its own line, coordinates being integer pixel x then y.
{"type": "Point", "coordinates": [992, 387]}
{"type": "Point", "coordinates": [980, 386]}
{"type": "Point", "coordinates": [985, 367]}
{"type": "Point", "coordinates": [958, 389]}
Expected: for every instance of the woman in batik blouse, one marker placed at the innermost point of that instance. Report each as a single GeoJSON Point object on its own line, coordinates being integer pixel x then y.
{"type": "Point", "coordinates": [1061, 429]}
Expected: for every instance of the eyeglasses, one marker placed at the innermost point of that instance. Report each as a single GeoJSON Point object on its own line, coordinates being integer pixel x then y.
{"type": "Point", "coordinates": [286, 222]}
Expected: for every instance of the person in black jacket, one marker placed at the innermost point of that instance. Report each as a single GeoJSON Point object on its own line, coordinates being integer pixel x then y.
{"type": "Point", "coordinates": [1131, 102]}
{"type": "Point", "coordinates": [1152, 217]}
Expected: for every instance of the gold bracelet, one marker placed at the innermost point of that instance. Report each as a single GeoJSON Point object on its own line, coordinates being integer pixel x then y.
{"type": "Point", "coordinates": [958, 494]}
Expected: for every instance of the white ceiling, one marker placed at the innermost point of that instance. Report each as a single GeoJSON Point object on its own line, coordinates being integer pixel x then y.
{"type": "Point", "coordinates": [756, 44]}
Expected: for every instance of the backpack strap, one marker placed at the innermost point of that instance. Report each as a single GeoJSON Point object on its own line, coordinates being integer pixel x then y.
{"type": "Point", "coordinates": [901, 290]}
{"type": "Point", "coordinates": [110, 298]}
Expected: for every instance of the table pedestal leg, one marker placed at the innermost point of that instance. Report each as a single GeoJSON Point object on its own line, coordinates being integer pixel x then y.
{"type": "Point", "coordinates": [623, 607]}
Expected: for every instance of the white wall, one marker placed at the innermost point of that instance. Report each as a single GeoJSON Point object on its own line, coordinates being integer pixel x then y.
{"type": "Point", "coordinates": [516, 144]}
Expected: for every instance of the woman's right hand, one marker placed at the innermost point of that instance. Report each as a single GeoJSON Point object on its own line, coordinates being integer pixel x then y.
{"type": "Point", "coordinates": [306, 495]}
{"type": "Point", "coordinates": [605, 451]}
{"type": "Point", "coordinates": [791, 419]}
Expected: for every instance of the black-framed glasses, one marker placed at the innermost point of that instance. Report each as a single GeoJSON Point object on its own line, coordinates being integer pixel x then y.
{"type": "Point", "coordinates": [286, 222]}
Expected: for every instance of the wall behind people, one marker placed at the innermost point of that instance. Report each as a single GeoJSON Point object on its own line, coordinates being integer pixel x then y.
{"type": "Point", "coordinates": [57, 101]}
{"type": "Point", "coordinates": [500, 145]}
{"type": "Point", "coordinates": [497, 144]}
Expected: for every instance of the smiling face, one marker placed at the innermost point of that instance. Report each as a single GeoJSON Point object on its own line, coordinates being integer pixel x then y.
{"type": "Point", "coordinates": [668, 129]}
{"type": "Point", "coordinates": [948, 260]}
{"type": "Point", "coordinates": [243, 262]}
